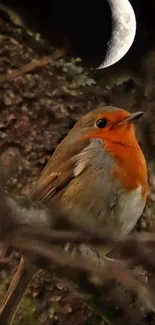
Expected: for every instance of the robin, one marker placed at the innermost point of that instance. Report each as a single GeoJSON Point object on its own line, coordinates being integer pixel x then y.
{"type": "Point", "coordinates": [98, 176]}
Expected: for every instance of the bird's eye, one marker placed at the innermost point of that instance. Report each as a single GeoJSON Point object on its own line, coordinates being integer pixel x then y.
{"type": "Point", "coordinates": [101, 123]}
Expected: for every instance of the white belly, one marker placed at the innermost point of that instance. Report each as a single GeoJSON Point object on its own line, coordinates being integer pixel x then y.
{"type": "Point", "coordinates": [131, 207]}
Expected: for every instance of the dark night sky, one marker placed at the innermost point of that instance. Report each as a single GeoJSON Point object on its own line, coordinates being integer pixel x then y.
{"type": "Point", "coordinates": [85, 26]}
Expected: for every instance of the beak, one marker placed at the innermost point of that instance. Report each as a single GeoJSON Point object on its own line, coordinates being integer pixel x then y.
{"type": "Point", "coordinates": [131, 118]}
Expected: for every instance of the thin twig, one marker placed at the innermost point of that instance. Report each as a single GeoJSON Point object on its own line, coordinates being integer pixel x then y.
{"type": "Point", "coordinates": [31, 66]}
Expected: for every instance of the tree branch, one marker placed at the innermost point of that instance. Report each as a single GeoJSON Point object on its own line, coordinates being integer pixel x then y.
{"type": "Point", "coordinates": [35, 232]}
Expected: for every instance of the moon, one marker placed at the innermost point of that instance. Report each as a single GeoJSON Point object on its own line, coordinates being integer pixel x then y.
{"type": "Point", "coordinates": [123, 31]}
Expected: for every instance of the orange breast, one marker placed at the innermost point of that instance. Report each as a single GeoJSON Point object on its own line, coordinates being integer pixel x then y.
{"type": "Point", "coordinates": [130, 166]}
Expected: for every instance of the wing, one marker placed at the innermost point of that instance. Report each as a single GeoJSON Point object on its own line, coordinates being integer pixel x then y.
{"type": "Point", "coordinates": [60, 170]}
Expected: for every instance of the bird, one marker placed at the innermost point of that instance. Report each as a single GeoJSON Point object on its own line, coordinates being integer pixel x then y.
{"type": "Point", "coordinates": [98, 177]}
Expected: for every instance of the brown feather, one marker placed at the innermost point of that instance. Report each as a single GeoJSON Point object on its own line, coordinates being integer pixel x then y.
{"type": "Point", "coordinates": [59, 171]}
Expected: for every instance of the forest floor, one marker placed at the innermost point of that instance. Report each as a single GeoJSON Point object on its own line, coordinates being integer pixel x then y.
{"type": "Point", "coordinates": [37, 109]}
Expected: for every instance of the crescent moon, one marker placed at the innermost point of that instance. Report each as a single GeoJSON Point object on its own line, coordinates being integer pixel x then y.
{"type": "Point", "coordinates": [123, 31]}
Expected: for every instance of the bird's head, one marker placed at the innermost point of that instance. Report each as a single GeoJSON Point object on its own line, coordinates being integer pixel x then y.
{"type": "Point", "coordinates": [110, 124]}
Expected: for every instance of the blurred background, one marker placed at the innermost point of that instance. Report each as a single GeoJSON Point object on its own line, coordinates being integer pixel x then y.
{"type": "Point", "coordinates": [39, 104]}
